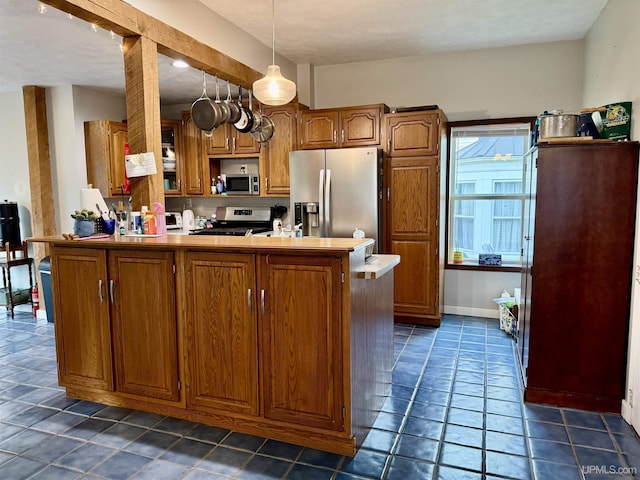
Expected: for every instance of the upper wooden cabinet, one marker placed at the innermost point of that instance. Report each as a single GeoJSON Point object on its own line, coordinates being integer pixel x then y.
{"type": "Point", "coordinates": [412, 134]}
{"type": "Point", "coordinates": [193, 158]}
{"type": "Point", "coordinates": [172, 150]}
{"type": "Point", "coordinates": [274, 157]}
{"type": "Point", "coordinates": [227, 141]}
{"type": "Point", "coordinates": [105, 145]}
{"type": "Point", "coordinates": [341, 128]}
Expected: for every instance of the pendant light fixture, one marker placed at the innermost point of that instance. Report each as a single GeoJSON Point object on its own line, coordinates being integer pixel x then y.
{"type": "Point", "coordinates": [273, 88]}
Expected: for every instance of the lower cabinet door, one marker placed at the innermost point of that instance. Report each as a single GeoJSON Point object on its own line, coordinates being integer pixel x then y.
{"type": "Point", "coordinates": [83, 333]}
{"type": "Point", "coordinates": [143, 312]}
{"type": "Point", "coordinates": [415, 278]}
{"type": "Point", "coordinates": [221, 332]}
{"type": "Point", "coordinates": [301, 340]}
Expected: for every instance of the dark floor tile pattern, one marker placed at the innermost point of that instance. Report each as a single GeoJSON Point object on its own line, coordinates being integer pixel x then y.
{"type": "Point", "coordinates": [455, 412]}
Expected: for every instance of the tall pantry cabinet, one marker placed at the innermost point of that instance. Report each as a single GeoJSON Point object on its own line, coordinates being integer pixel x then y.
{"type": "Point", "coordinates": [414, 207]}
{"type": "Point", "coordinates": [577, 270]}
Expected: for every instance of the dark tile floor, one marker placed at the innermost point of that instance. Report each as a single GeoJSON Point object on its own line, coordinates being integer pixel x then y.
{"type": "Point", "coordinates": [454, 413]}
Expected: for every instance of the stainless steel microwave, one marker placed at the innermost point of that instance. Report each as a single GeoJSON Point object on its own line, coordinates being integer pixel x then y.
{"type": "Point", "coordinates": [242, 184]}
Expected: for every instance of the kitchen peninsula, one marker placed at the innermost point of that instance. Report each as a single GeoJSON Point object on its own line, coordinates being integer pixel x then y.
{"type": "Point", "coordinates": [286, 338]}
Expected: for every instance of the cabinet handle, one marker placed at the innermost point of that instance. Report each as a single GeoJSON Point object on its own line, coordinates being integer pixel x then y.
{"type": "Point", "coordinates": [249, 300]}
{"type": "Point", "coordinates": [335, 136]}
{"type": "Point", "coordinates": [198, 184]}
{"type": "Point", "coordinates": [262, 301]}
{"type": "Point", "coordinates": [389, 146]}
{"type": "Point", "coordinates": [100, 291]}
{"type": "Point", "coordinates": [226, 143]}
{"type": "Point", "coordinates": [343, 135]}
{"type": "Point", "coordinates": [388, 194]}
{"type": "Point", "coordinates": [234, 143]}
{"type": "Point", "coordinates": [111, 290]}
{"type": "Point", "coordinates": [178, 184]}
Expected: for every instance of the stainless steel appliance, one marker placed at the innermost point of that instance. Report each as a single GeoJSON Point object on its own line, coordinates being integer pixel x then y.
{"type": "Point", "coordinates": [242, 184]}
{"type": "Point", "coordinates": [333, 192]}
{"type": "Point", "coordinates": [173, 220]}
{"type": "Point", "coordinates": [238, 221]}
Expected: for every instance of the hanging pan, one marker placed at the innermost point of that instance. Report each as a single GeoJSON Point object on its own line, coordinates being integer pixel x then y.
{"type": "Point", "coordinates": [234, 108]}
{"type": "Point", "coordinates": [265, 132]}
{"type": "Point", "coordinates": [245, 124]}
{"type": "Point", "coordinates": [203, 112]}
{"type": "Point", "coordinates": [225, 112]}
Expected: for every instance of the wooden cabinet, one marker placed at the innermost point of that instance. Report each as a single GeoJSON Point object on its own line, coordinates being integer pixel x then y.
{"type": "Point", "coordinates": [413, 134]}
{"type": "Point", "coordinates": [143, 318]}
{"type": "Point", "coordinates": [221, 332]}
{"type": "Point", "coordinates": [341, 128]}
{"type": "Point", "coordinates": [83, 332]}
{"type": "Point", "coordinates": [106, 300]}
{"type": "Point", "coordinates": [172, 152]}
{"type": "Point", "coordinates": [274, 157]}
{"type": "Point", "coordinates": [227, 141]}
{"type": "Point", "coordinates": [413, 213]}
{"type": "Point", "coordinates": [579, 281]}
{"type": "Point", "coordinates": [194, 181]}
{"type": "Point", "coordinates": [302, 360]}
{"type": "Point", "coordinates": [105, 146]}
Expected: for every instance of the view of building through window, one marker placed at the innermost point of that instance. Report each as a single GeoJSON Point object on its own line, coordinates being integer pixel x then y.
{"type": "Point", "coordinates": [486, 194]}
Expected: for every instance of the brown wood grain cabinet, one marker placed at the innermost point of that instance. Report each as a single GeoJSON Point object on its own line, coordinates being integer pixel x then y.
{"type": "Point", "coordinates": [143, 322]}
{"type": "Point", "coordinates": [104, 147]}
{"type": "Point", "coordinates": [274, 156]}
{"type": "Point", "coordinates": [413, 211]}
{"type": "Point", "coordinates": [227, 141]}
{"type": "Point", "coordinates": [117, 329]}
{"type": "Point", "coordinates": [578, 281]}
{"type": "Point", "coordinates": [302, 360]}
{"type": "Point", "coordinates": [222, 333]}
{"type": "Point", "coordinates": [193, 179]}
{"type": "Point", "coordinates": [83, 329]}
{"type": "Point", "coordinates": [342, 127]}
{"type": "Point", "coordinates": [287, 339]}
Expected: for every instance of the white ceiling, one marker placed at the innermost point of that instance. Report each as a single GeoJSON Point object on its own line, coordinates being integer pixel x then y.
{"type": "Point", "coordinates": [51, 49]}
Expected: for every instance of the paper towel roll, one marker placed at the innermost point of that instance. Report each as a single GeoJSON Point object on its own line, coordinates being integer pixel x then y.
{"type": "Point", "coordinates": [89, 197]}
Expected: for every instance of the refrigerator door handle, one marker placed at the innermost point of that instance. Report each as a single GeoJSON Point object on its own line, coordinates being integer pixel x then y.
{"type": "Point", "coordinates": [327, 199]}
{"type": "Point", "coordinates": [321, 203]}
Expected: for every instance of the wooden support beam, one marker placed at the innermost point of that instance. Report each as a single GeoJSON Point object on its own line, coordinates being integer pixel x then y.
{"type": "Point", "coordinates": [126, 21]}
{"type": "Point", "coordinates": [43, 220]}
{"type": "Point", "coordinates": [143, 114]}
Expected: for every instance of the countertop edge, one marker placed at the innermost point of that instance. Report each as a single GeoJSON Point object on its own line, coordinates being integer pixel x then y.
{"type": "Point", "coordinates": [380, 266]}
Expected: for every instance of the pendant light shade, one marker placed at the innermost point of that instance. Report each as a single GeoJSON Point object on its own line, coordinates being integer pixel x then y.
{"type": "Point", "coordinates": [273, 88]}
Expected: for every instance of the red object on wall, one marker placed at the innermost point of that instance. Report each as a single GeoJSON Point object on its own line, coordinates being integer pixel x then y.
{"type": "Point", "coordinates": [35, 300]}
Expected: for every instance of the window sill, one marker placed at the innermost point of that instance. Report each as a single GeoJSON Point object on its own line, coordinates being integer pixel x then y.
{"type": "Point", "coordinates": [483, 268]}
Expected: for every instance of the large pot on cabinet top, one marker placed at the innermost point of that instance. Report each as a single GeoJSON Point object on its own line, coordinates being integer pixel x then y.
{"type": "Point", "coordinates": [559, 125]}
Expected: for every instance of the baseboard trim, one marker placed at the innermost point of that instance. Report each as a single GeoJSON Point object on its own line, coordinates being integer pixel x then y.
{"type": "Point", "coordinates": [472, 312]}
{"type": "Point", "coordinates": [626, 411]}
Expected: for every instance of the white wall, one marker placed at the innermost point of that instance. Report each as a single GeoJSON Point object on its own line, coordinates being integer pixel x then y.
{"type": "Point", "coordinates": [612, 74]}
{"type": "Point", "coordinates": [471, 85]}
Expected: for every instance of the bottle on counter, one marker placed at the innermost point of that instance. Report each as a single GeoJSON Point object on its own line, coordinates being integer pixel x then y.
{"type": "Point", "coordinates": [214, 189]}
{"type": "Point", "coordinates": [219, 185]}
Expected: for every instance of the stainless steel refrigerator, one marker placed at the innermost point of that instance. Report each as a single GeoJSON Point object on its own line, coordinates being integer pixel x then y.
{"type": "Point", "coordinates": [333, 192]}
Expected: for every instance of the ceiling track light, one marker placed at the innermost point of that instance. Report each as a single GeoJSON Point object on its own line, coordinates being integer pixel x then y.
{"type": "Point", "coordinates": [273, 88]}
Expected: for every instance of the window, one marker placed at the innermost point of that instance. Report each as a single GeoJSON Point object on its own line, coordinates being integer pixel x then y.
{"type": "Point", "coordinates": [486, 194]}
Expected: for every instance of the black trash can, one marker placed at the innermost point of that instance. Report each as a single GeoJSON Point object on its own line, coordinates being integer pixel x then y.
{"type": "Point", "coordinates": [45, 277]}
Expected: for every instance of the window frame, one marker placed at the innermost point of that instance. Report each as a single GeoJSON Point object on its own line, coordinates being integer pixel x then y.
{"type": "Point", "coordinates": [473, 265]}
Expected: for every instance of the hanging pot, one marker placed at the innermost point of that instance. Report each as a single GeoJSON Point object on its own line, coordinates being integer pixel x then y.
{"type": "Point", "coordinates": [245, 124]}
{"type": "Point", "coordinates": [234, 108]}
{"type": "Point", "coordinates": [266, 130]}
{"type": "Point", "coordinates": [203, 113]}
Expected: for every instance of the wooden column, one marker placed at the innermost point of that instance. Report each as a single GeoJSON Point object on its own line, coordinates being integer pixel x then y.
{"type": "Point", "coordinates": [143, 114]}
{"type": "Point", "coordinates": [43, 221]}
